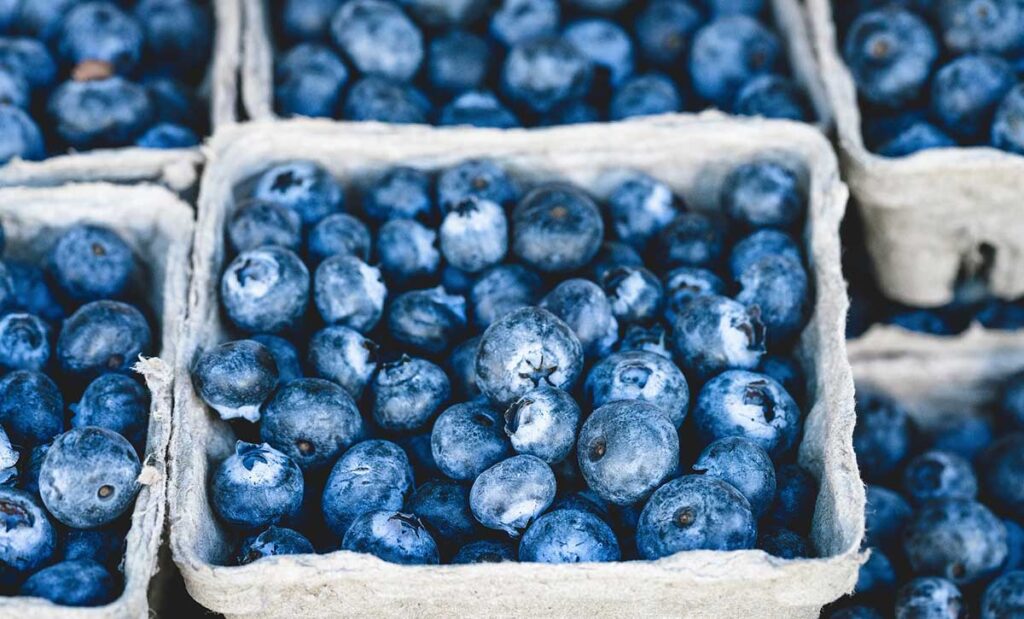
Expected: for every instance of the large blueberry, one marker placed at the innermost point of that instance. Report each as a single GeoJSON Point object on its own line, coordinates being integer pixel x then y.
{"type": "Point", "coordinates": [344, 356]}
{"type": "Point", "coordinates": [890, 53]}
{"type": "Point", "coordinates": [582, 305]}
{"type": "Point", "coordinates": [28, 56]}
{"type": "Point", "coordinates": [102, 336]}
{"type": "Point", "coordinates": [569, 536]}
{"type": "Point", "coordinates": [349, 292]}
{"type": "Point", "coordinates": [89, 477]}
{"type": "Point", "coordinates": [994, 26]}
{"type": "Point", "coordinates": [308, 81]}
{"type": "Point", "coordinates": [556, 228]}
{"type": "Point", "coordinates": [525, 349]}
{"type": "Point", "coordinates": [474, 234]}
{"type": "Point", "coordinates": [118, 403]}
{"type": "Point", "coordinates": [73, 583]}
{"type": "Point", "coordinates": [378, 38]}
{"type": "Point", "coordinates": [100, 113]}
{"type": "Point", "coordinates": [929, 597]}
{"type": "Point", "coordinates": [741, 463]}
{"type": "Point", "coordinates": [664, 29]}
{"type": "Point", "coordinates": [640, 207]}
{"type": "Point", "coordinates": [178, 34]}
{"type": "Point", "coordinates": [966, 92]}
{"type": "Point", "coordinates": [272, 542]}
{"type": "Point", "coordinates": [605, 44]}
{"type": "Point", "coordinates": [258, 222]}
{"type": "Point", "coordinates": [27, 539]}
{"type": "Point", "coordinates": [256, 486]}
{"type": "Point", "coordinates": [339, 233]}
{"type": "Point", "coordinates": [24, 342]}
{"type": "Point", "coordinates": [695, 512]}
{"type": "Point", "coordinates": [778, 287]}
{"type": "Point", "coordinates": [751, 405]}
{"type": "Point", "coordinates": [427, 320]}
{"type": "Point", "coordinates": [458, 61]}
{"type": "Point", "coordinates": [626, 449]}
{"type": "Point", "coordinates": [393, 537]}
{"type": "Point", "coordinates": [543, 423]}
{"type": "Point", "coordinates": [544, 72]}
{"type": "Point", "coordinates": [645, 95]}
{"type": "Point", "coordinates": [478, 178]}
{"type": "Point", "coordinates": [372, 475]}
{"type": "Point", "coordinates": [959, 539]}
{"type": "Point", "coordinates": [407, 251]}
{"type": "Point", "coordinates": [521, 20]}
{"type": "Point", "coordinates": [714, 333]}
{"type": "Point", "coordinates": [265, 290]}
{"type": "Point", "coordinates": [31, 407]}
{"type": "Point", "coordinates": [407, 393]}
{"type": "Point", "coordinates": [501, 290]}
{"type": "Point", "coordinates": [763, 194]}
{"type": "Point", "coordinates": [399, 193]}
{"type": "Point", "coordinates": [727, 53]}
{"type": "Point", "coordinates": [379, 99]}
{"type": "Point", "coordinates": [90, 262]}
{"type": "Point", "coordinates": [100, 31]}
{"type": "Point", "coordinates": [635, 294]}
{"type": "Point", "coordinates": [467, 438]}
{"type": "Point", "coordinates": [692, 239]}
{"type": "Point", "coordinates": [236, 378]}
{"type": "Point", "coordinates": [640, 375]}
{"type": "Point", "coordinates": [939, 475]}
{"type": "Point", "coordinates": [513, 493]}
{"type": "Point", "coordinates": [303, 186]}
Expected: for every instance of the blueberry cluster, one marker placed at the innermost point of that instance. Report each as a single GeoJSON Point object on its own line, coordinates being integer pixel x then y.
{"type": "Point", "coordinates": [100, 74]}
{"type": "Point", "coordinates": [69, 474]}
{"type": "Point", "coordinates": [947, 534]}
{"type": "Point", "coordinates": [511, 374]}
{"type": "Point", "coordinates": [529, 62]}
{"type": "Point", "coordinates": [937, 74]}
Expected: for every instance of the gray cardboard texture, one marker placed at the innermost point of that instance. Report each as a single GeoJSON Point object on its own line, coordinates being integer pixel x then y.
{"type": "Point", "coordinates": [159, 228]}
{"type": "Point", "coordinates": [928, 215]}
{"type": "Point", "coordinates": [691, 155]}
{"type": "Point", "coordinates": [177, 168]}
{"type": "Point", "coordinates": [258, 58]}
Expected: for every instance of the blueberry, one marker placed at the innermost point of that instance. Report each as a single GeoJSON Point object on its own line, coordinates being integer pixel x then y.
{"type": "Point", "coordinates": [378, 38]}
{"type": "Point", "coordinates": [91, 262]}
{"type": "Point", "coordinates": [501, 290]}
{"type": "Point", "coordinates": [778, 287]}
{"type": "Point", "coordinates": [168, 136]}
{"type": "Point", "coordinates": [349, 292]}
{"type": "Point", "coordinates": [308, 81]}
{"type": "Point", "coordinates": [569, 536]}
{"type": "Point", "coordinates": [635, 294]}
{"type": "Point", "coordinates": [543, 423]}
{"type": "Point", "coordinates": [627, 449]}
{"type": "Point", "coordinates": [520, 20]}
{"type": "Point", "coordinates": [692, 239]}
{"type": "Point", "coordinates": [583, 306]}
{"type": "Point", "coordinates": [715, 333]}
{"type": "Point", "coordinates": [795, 496]}
{"type": "Point", "coordinates": [664, 29]}
{"type": "Point", "coordinates": [729, 51]}
{"type": "Point", "coordinates": [89, 477]}
{"type": "Point", "coordinates": [881, 438]}
{"type": "Point", "coordinates": [1006, 128]}
{"type": "Point", "coordinates": [544, 72]}
{"type": "Point", "coordinates": [256, 487]}
{"type": "Point", "coordinates": [1004, 597]}
{"type": "Point", "coordinates": [393, 537]}
{"type": "Point", "coordinates": [965, 436]}
{"type": "Point", "coordinates": [512, 494]}
{"type": "Point", "coordinates": [265, 290]}
{"type": "Point", "coordinates": [178, 34]}
{"type": "Point", "coordinates": [100, 31]}
{"type": "Point", "coordinates": [772, 96]}
{"type": "Point", "coordinates": [939, 475]}
{"type": "Point", "coordinates": [104, 545]}
{"type": "Point", "coordinates": [338, 234]}
{"type": "Point", "coordinates": [408, 251]}
{"type": "Point", "coordinates": [27, 539]}
{"type": "Point", "coordinates": [20, 137]}
{"type": "Point", "coordinates": [477, 178]}
{"type": "Point", "coordinates": [427, 320]}
{"type": "Point", "coordinates": [458, 61]}
{"type": "Point", "coordinates": [995, 26]}
{"type": "Point", "coordinates": [344, 356]}
{"type": "Point", "coordinates": [525, 349]}
{"type": "Point", "coordinates": [917, 137]}
{"type": "Point", "coordinates": [958, 539]}
{"type": "Point", "coordinates": [890, 53]}
{"type": "Point", "coordinates": [761, 244]}
{"type": "Point", "coordinates": [966, 92]}
{"type": "Point", "coordinates": [763, 194]}
{"type": "Point", "coordinates": [31, 407]}
{"type": "Point", "coordinates": [474, 234]}
{"type": "Point", "coordinates": [443, 506]}
{"type": "Point", "coordinates": [695, 512]}
{"type": "Point", "coordinates": [24, 342]}
{"type": "Point", "coordinates": [741, 463]}
{"type": "Point", "coordinates": [462, 368]}
{"type": "Point", "coordinates": [407, 393]}
{"type": "Point", "coordinates": [612, 255]}
{"type": "Point", "coordinates": [750, 405]}
{"type": "Point", "coordinates": [640, 207]}
{"type": "Point", "coordinates": [886, 514]}
{"type": "Point", "coordinates": [485, 551]}
{"type": "Point", "coordinates": [605, 44]}
{"type": "Point", "coordinates": [467, 439]}
{"type": "Point", "coordinates": [876, 577]}
{"type": "Point", "coordinates": [1000, 468]}
{"type": "Point", "coordinates": [14, 88]}
{"type": "Point", "coordinates": [102, 336]}
{"type": "Point", "coordinates": [303, 186]}
{"type": "Point", "coordinates": [684, 284]}
{"type": "Point", "coordinates": [29, 58]}
{"type": "Point", "coordinates": [372, 475]}
{"type": "Point", "coordinates": [379, 99]}
{"type": "Point", "coordinates": [929, 597]}
{"type": "Point", "coordinates": [639, 338]}
{"type": "Point", "coordinates": [101, 113]}
{"type": "Point", "coordinates": [645, 95]}
{"type": "Point", "coordinates": [272, 542]}
{"type": "Point", "coordinates": [236, 378]}
{"type": "Point", "coordinates": [307, 19]}
{"type": "Point", "coordinates": [312, 421]}
{"type": "Point", "coordinates": [556, 228]}
{"type": "Point", "coordinates": [783, 543]}
{"type": "Point", "coordinates": [256, 223]}
{"type": "Point", "coordinates": [641, 376]}
{"type": "Point", "coordinates": [72, 583]}
{"type": "Point", "coordinates": [119, 404]}
{"type": "Point", "coordinates": [400, 193]}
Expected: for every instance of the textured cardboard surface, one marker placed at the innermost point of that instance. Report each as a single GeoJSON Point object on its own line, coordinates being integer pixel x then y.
{"type": "Point", "coordinates": [258, 58]}
{"type": "Point", "coordinates": [159, 228]}
{"type": "Point", "coordinates": [692, 155]}
{"type": "Point", "coordinates": [177, 168]}
{"type": "Point", "coordinates": [927, 215]}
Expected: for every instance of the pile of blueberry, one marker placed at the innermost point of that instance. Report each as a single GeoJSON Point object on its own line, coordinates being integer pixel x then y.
{"type": "Point", "coordinates": [945, 513]}
{"type": "Point", "coordinates": [936, 74]}
{"type": "Point", "coordinates": [69, 471]}
{"type": "Point", "coordinates": [529, 62]}
{"type": "Point", "coordinates": [457, 368]}
{"type": "Point", "coordinates": [77, 75]}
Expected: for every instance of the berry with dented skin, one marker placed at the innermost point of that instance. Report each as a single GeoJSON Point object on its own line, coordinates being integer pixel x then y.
{"type": "Point", "coordinates": [749, 405]}
{"type": "Point", "coordinates": [407, 393]}
{"type": "Point", "coordinates": [512, 494]}
{"type": "Point", "coordinates": [715, 333]}
{"type": "Point", "coordinates": [427, 320]}
{"type": "Point", "coordinates": [255, 487]}
{"type": "Point", "coordinates": [272, 542]}
{"type": "Point", "coordinates": [393, 537]}
{"type": "Point", "coordinates": [543, 423]}
{"type": "Point", "coordinates": [643, 376]}
{"type": "Point", "coordinates": [24, 342]}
